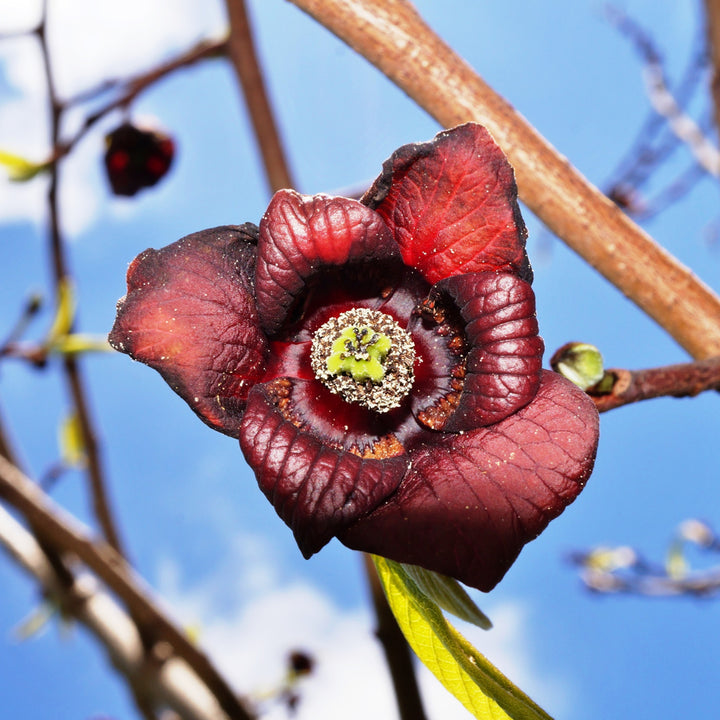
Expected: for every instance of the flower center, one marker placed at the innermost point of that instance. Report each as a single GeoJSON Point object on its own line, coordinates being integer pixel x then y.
{"type": "Point", "coordinates": [365, 357]}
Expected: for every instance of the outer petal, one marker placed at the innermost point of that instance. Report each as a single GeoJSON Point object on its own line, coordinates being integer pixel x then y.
{"type": "Point", "coordinates": [452, 205]}
{"type": "Point", "coordinates": [190, 314]}
{"type": "Point", "coordinates": [300, 235]}
{"type": "Point", "coordinates": [469, 504]}
{"type": "Point", "coordinates": [315, 488]}
{"type": "Point", "coordinates": [504, 361]}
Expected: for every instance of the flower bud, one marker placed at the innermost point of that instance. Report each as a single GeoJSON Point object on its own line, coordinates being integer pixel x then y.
{"type": "Point", "coordinates": [136, 158]}
{"type": "Point", "coordinates": [580, 363]}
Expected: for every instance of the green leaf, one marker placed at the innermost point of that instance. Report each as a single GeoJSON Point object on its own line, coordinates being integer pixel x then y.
{"type": "Point", "coordinates": [676, 564]}
{"type": "Point", "coordinates": [19, 169]}
{"type": "Point", "coordinates": [464, 672]}
{"type": "Point", "coordinates": [36, 621]}
{"type": "Point", "coordinates": [580, 363]}
{"type": "Point", "coordinates": [72, 442]}
{"type": "Point", "coordinates": [64, 312]}
{"type": "Point", "coordinates": [449, 594]}
{"type": "Point", "coordinates": [77, 343]}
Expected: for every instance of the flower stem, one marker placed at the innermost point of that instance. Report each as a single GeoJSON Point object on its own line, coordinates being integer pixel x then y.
{"type": "Point", "coordinates": [397, 651]}
{"type": "Point", "coordinates": [392, 36]}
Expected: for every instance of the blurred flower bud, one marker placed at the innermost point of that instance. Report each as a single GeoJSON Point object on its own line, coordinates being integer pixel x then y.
{"type": "Point", "coordinates": [136, 158]}
{"type": "Point", "coordinates": [300, 663]}
{"type": "Point", "coordinates": [698, 532]}
{"type": "Point", "coordinates": [580, 363]}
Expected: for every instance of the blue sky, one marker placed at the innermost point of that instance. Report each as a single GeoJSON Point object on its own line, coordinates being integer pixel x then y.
{"type": "Point", "coordinates": [195, 523]}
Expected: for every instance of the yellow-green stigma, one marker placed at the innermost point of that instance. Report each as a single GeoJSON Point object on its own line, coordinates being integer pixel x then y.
{"type": "Point", "coordinates": [365, 357]}
{"type": "Point", "coordinates": [359, 352]}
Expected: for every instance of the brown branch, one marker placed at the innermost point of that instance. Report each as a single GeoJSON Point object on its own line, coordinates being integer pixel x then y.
{"type": "Point", "coordinates": [683, 380]}
{"type": "Point", "coordinates": [700, 584]}
{"type": "Point", "coordinates": [712, 21]}
{"type": "Point", "coordinates": [79, 596]}
{"type": "Point", "coordinates": [60, 531]}
{"type": "Point", "coordinates": [391, 35]}
{"type": "Point", "coordinates": [72, 372]}
{"type": "Point", "coordinates": [397, 651]}
{"type": "Point", "coordinates": [249, 75]}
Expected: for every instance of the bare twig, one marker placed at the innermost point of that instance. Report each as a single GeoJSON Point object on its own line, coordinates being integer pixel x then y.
{"type": "Point", "coordinates": [653, 141]}
{"type": "Point", "coordinates": [56, 528]}
{"type": "Point", "coordinates": [249, 74]}
{"type": "Point", "coordinates": [622, 569]}
{"type": "Point", "coordinates": [683, 380]}
{"type": "Point", "coordinates": [712, 21]}
{"type": "Point", "coordinates": [161, 682]}
{"type": "Point", "coordinates": [701, 584]}
{"type": "Point", "coordinates": [397, 651]}
{"type": "Point", "coordinates": [134, 86]}
{"type": "Point", "coordinates": [665, 104]}
{"type": "Point", "coordinates": [393, 37]}
{"type": "Point", "coordinates": [71, 367]}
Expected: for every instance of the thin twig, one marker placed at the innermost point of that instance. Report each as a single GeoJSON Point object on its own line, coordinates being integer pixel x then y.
{"type": "Point", "coordinates": [683, 380]}
{"type": "Point", "coordinates": [653, 141]}
{"type": "Point", "coordinates": [133, 87]}
{"type": "Point", "coordinates": [72, 372]}
{"type": "Point", "coordinates": [700, 584]}
{"type": "Point", "coordinates": [249, 75]}
{"type": "Point", "coordinates": [712, 22]}
{"type": "Point", "coordinates": [56, 528]}
{"type": "Point", "coordinates": [395, 39]}
{"type": "Point", "coordinates": [396, 649]}
{"type": "Point", "coordinates": [684, 127]}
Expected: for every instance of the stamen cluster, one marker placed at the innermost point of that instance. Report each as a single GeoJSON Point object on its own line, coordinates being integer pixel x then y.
{"type": "Point", "coordinates": [365, 357]}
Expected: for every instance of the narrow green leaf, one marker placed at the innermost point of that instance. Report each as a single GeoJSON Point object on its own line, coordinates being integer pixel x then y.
{"type": "Point", "coordinates": [64, 312]}
{"type": "Point", "coordinates": [72, 442]}
{"type": "Point", "coordinates": [77, 343]}
{"type": "Point", "coordinates": [20, 169]}
{"type": "Point", "coordinates": [35, 622]}
{"type": "Point", "coordinates": [676, 564]}
{"type": "Point", "coordinates": [464, 672]}
{"type": "Point", "coordinates": [449, 594]}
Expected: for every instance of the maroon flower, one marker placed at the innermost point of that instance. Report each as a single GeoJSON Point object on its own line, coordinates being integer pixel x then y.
{"type": "Point", "coordinates": [378, 360]}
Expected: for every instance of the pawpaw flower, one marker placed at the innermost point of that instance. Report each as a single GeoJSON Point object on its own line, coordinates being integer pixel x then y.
{"type": "Point", "coordinates": [379, 361]}
{"type": "Point", "coordinates": [136, 158]}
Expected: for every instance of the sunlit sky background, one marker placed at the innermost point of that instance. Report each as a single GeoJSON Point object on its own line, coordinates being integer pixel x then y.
{"type": "Point", "coordinates": [196, 526]}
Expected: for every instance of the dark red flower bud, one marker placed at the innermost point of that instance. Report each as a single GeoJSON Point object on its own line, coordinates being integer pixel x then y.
{"type": "Point", "coordinates": [136, 158]}
{"type": "Point", "coordinates": [300, 663]}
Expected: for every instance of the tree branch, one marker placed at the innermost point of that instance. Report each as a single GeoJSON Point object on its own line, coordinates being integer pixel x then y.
{"type": "Point", "coordinates": [167, 682]}
{"type": "Point", "coordinates": [73, 375]}
{"type": "Point", "coordinates": [249, 75]}
{"type": "Point", "coordinates": [712, 21]}
{"type": "Point", "coordinates": [57, 529]}
{"type": "Point", "coordinates": [391, 35]}
{"type": "Point", "coordinates": [683, 380]}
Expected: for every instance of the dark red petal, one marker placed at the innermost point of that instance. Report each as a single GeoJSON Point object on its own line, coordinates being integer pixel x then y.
{"type": "Point", "coordinates": [452, 205]}
{"type": "Point", "coordinates": [504, 361]}
{"type": "Point", "coordinates": [302, 234]}
{"type": "Point", "coordinates": [469, 504]}
{"type": "Point", "coordinates": [315, 488]}
{"type": "Point", "coordinates": [190, 314]}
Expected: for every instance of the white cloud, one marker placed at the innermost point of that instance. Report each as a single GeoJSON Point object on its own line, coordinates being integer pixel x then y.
{"type": "Point", "coordinates": [89, 42]}
{"type": "Point", "coordinates": [19, 16]}
{"type": "Point", "coordinates": [250, 619]}
{"type": "Point", "coordinates": [92, 41]}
